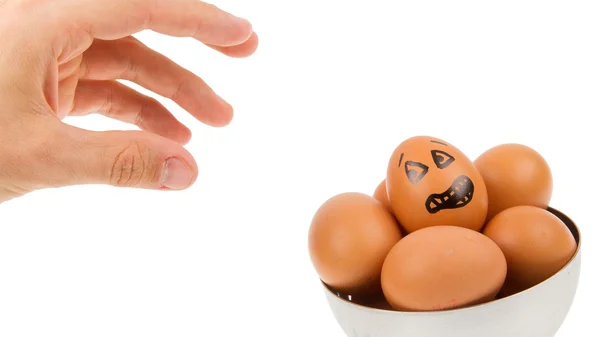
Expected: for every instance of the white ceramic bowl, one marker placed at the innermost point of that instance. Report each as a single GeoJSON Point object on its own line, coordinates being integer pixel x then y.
{"type": "Point", "coordinates": [535, 312]}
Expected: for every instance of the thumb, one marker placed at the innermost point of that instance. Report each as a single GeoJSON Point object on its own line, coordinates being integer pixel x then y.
{"type": "Point", "coordinates": [127, 159]}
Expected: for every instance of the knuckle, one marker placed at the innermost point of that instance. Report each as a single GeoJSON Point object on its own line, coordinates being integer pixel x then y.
{"type": "Point", "coordinates": [130, 68]}
{"type": "Point", "coordinates": [132, 167]}
{"type": "Point", "coordinates": [126, 50]}
{"type": "Point", "coordinates": [108, 105]}
{"type": "Point", "coordinates": [146, 108]}
{"type": "Point", "coordinates": [180, 89]}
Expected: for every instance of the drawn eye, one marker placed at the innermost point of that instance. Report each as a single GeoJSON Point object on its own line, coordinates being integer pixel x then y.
{"type": "Point", "coordinates": [415, 171]}
{"type": "Point", "coordinates": [441, 159]}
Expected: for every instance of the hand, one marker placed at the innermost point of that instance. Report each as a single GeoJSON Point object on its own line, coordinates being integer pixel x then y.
{"type": "Point", "coordinates": [63, 57]}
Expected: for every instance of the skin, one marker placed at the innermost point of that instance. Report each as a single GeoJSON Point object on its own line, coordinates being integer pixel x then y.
{"type": "Point", "coordinates": [63, 58]}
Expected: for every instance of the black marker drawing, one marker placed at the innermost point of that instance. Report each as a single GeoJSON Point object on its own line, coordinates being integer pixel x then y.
{"type": "Point", "coordinates": [458, 195]}
{"type": "Point", "coordinates": [438, 142]}
{"type": "Point", "coordinates": [415, 171]}
{"type": "Point", "coordinates": [400, 161]}
{"type": "Point", "coordinates": [441, 159]}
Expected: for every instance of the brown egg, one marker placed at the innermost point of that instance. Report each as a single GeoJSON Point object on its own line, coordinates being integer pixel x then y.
{"type": "Point", "coordinates": [536, 243]}
{"type": "Point", "coordinates": [349, 238]}
{"type": "Point", "coordinates": [442, 267]}
{"type": "Point", "coordinates": [381, 194]}
{"type": "Point", "coordinates": [514, 175]}
{"type": "Point", "coordinates": [432, 183]}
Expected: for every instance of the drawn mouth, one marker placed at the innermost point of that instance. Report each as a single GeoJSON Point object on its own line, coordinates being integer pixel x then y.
{"type": "Point", "coordinates": [456, 196]}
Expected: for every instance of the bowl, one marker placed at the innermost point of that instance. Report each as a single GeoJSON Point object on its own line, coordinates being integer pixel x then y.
{"type": "Point", "coordinates": [536, 312]}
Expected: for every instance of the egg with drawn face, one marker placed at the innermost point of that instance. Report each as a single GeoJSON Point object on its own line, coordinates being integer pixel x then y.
{"type": "Point", "coordinates": [432, 183]}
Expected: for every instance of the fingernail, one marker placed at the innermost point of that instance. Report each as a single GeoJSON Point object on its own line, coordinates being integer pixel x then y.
{"type": "Point", "coordinates": [240, 20]}
{"type": "Point", "coordinates": [176, 175]}
{"type": "Point", "coordinates": [242, 32]}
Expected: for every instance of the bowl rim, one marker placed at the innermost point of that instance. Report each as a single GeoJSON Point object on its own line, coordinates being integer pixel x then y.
{"type": "Point", "coordinates": [573, 228]}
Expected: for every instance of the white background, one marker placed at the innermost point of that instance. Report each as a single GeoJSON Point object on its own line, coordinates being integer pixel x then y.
{"type": "Point", "coordinates": [332, 89]}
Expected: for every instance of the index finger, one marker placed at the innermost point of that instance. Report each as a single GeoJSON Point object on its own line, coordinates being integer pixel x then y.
{"type": "Point", "coordinates": [114, 19]}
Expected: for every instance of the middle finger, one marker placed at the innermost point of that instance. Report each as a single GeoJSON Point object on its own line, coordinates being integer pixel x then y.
{"type": "Point", "coordinates": [129, 59]}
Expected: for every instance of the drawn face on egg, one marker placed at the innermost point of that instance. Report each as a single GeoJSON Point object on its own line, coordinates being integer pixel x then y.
{"type": "Point", "coordinates": [430, 182]}
{"type": "Point", "coordinates": [458, 194]}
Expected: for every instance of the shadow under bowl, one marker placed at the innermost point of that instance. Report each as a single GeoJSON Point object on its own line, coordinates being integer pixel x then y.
{"type": "Point", "coordinates": [536, 312]}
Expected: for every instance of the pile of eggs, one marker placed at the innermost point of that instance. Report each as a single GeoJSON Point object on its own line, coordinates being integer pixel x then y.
{"type": "Point", "coordinates": [442, 231]}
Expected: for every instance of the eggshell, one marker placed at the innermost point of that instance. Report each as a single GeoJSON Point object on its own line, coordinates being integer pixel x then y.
{"type": "Point", "coordinates": [349, 238]}
{"type": "Point", "coordinates": [442, 267]}
{"type": "Point", "coordinates": [381, 194]}
{"type": "Point", "coordinates": [432, 183]}
{"type": "Point", "coordinates": [514, 175]}
{"type": "Point", "coordinates": [536, 243]}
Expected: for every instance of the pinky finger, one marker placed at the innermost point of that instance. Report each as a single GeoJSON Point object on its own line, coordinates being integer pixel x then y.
{"type": "Point", "coordinates": [118, 101]}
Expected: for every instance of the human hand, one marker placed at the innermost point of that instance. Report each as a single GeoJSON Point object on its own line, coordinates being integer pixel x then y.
{"type": "Point", "coordinates": [63, 57]}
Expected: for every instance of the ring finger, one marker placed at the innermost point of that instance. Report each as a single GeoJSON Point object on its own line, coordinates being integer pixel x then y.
{"type": "Point", "coordinates": [120, 102]}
